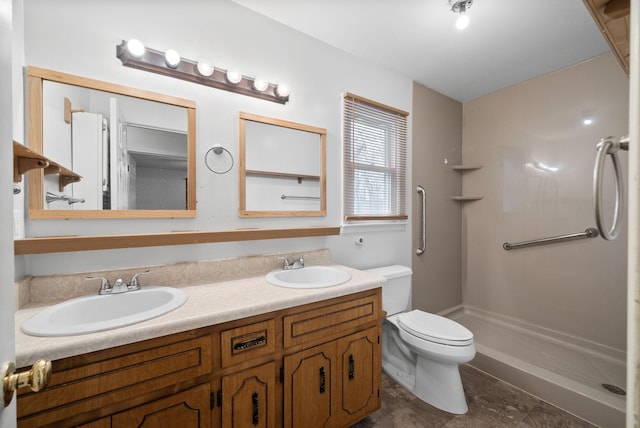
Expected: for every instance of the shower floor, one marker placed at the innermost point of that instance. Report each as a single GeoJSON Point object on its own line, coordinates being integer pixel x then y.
{"type": "Point", "coordinates": [559, 369]}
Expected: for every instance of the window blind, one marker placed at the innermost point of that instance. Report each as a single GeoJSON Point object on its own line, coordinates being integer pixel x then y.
{"type": "Point", "coordinates": [375, 160]}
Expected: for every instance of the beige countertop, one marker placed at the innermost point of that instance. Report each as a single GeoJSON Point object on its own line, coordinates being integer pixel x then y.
{"type": "Point", "coordinates": [206, 305]}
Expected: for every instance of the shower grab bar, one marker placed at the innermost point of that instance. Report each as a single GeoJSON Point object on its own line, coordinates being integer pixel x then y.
{"type": "Point", "coordinates": [423, 218]}
{"type": "Point", "coordinates": [590, 232]}
{"type": "Point", "coordinates": [315, 198]}
{"type": "Point", "coordinates": [609, 146]}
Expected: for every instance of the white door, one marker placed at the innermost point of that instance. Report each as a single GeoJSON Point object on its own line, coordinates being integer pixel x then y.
{"type": "Point", "coordinates": [7, 340]}
{"type": "Point", "coordinates": [86, 137]}
{"type": "Point", "coordinates": [119, 160]}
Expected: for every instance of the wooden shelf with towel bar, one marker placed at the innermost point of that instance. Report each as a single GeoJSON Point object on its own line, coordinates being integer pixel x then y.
{"type": "Point", "coordinates": [25, 160]}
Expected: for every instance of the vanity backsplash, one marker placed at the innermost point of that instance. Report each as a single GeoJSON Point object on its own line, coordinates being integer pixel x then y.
{"type": "Point", "coordinates": [51, 289]}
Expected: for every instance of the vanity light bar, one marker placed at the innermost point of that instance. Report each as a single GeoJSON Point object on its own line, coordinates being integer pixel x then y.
{"type": "Point", "coordinates": [156, 61]}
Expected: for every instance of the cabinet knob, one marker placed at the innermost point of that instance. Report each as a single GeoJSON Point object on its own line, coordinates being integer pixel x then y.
{"type": "Point", "coordinates": [37, 378]}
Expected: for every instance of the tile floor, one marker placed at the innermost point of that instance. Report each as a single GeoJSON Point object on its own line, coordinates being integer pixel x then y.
{"type": "Point", "coordinates": [492, 403]}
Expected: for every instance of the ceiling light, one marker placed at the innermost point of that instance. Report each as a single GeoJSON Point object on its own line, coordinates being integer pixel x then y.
{"type": "Point", "coordinates": [260, 85]}
{"type": "Point", "coordinates": [172, 58]}
{"type": "Point", "coordinates": [134, 54]}
{"type": "Point", "coordinates": [135, 48]}
{"type": "Point", "coordinates": [282, 90]}
{"type": "Point", "coordinates": [461, 7]}
{"type": "Point", "coordinates": [205, 68]}
{"type": "Point", "coordinates": [462, 22]}
{"type": "Point", "coordinates": [234, 77]}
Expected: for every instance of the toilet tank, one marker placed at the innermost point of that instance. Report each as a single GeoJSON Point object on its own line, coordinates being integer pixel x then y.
{"type": "Point", "coordinates": [396, 293]}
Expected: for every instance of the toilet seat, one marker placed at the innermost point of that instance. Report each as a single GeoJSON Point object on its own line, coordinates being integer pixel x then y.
{"type": "Point", "coordinates": [435, 328]}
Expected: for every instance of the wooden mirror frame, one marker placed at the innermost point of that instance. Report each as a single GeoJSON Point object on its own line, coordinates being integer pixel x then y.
{"type": "Point", "coordinates": [35, 78]}
{"type": "Point", "coordinates": [242, 169]}
{"type": "Point", "coordinates": [71, 243]}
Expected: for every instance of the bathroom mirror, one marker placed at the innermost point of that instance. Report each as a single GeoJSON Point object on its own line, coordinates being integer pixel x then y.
{"type": "Point", "coordinates": [282, 168]}
{"type": "Point", "coordinates": [133, 151]}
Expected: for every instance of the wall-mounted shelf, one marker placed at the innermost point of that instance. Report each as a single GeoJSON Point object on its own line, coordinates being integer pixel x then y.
{"type": "Point", "coordinates": [299, 177]}
{"type": "Point", "coordinates": [467, 198]}
{"type": "Point", "coordinates": [25, 160]}
{"type": "Point", "coordinates": [465, 167]}
{"type": "Point", "coordinates": [462, 168]}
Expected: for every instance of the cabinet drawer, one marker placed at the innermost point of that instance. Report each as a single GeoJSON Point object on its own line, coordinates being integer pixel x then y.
{"type": "Point", "coordinates": [94, 385]}
{"type": "Point", "coordinates": [330, 320]}
{"type": "Point", "coordinates": [243, 343]}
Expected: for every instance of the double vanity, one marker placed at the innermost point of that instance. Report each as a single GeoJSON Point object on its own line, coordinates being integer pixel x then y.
{"type": "Point", "coordinates": [237, 352]}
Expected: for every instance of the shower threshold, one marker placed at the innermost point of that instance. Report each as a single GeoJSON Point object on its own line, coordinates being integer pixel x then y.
{"type": "Point", "coordinates": [563, 370]}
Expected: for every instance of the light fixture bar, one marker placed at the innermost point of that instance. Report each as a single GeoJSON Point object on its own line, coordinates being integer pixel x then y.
{"type": "Point", "coordinates": [155, 61]}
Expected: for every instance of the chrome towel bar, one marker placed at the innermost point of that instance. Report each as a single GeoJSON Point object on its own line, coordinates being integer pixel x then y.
{"type": "Point", "coordinates": [589, 232]}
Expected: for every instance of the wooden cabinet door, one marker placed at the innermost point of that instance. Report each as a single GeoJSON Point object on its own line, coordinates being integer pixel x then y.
{"type": "Point", "coordinates": [248, 398]}
{"type": "Point", "coordinates": [189, 408]}
{"type": "Point", "coordinates": [309, 387]}
{"type": "Point", "coordinates": [359, 358]}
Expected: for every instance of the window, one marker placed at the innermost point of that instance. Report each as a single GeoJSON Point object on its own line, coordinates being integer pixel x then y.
{"type": "Point", "coordinates": [375, 160]}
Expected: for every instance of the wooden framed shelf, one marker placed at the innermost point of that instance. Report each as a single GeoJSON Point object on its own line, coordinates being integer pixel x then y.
{"type": "Point", "coordinates": [465, 167]}
{"type": "Point", "coordinates": [467, 198]}
{"type": "Point", "coordinates": [25, 160]}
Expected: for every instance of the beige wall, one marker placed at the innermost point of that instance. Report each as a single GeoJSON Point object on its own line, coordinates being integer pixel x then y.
{"type": "Point", "coordinates": [537, 182]}
{"type": "Point", "coordinates": [437, 135]}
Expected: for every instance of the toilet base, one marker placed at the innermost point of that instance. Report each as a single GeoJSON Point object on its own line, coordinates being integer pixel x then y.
{"type": "Point", "coordinates": [434, 380]}
{"type": "Point", "coordinates": [440, 385]}
{"type": "Point", "coordinates": [436, 384]}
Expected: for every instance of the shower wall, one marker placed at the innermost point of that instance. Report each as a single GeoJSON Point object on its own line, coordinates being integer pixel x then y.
{"type": "Point", "coordinates": [537, 156]}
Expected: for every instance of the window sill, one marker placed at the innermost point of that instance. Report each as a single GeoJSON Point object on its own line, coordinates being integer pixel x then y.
{"type": "Point", "coordinates": [373, 226]}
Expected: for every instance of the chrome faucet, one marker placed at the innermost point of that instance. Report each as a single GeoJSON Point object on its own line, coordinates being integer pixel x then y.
{"type": "Point", "coordinates": [105, 286]}
{"type": "Point", "coordinates": [120, 286]}
{"type": "Point", "coordinates": [134, 284]}
{"type": "Point", "coordinates": [295, 264]}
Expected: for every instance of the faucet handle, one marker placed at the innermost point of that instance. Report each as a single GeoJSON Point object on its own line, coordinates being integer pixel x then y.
{"type": "Point", "coordinates": [134, 284]}
{"type": "Point", "coordinates": [105, 287]}
{"type": "Point", "coordinates": [286, 262]}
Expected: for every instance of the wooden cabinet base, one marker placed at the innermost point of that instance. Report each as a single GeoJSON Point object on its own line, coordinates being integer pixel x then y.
{"type": "Point", "coordinates": [307, 366]}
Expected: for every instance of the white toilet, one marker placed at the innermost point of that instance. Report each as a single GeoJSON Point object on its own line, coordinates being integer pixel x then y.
{"type": "Point", "coordinates": [422, 351]}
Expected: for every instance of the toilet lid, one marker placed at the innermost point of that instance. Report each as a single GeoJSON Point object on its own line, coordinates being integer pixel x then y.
{"type": "Point", "coordinates": [435, 328]}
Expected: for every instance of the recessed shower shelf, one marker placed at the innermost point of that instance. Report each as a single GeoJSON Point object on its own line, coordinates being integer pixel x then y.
{"type": "Point", "coordinates": [463, 168]}
{"type": "Point", "coordinates": [467, 198]}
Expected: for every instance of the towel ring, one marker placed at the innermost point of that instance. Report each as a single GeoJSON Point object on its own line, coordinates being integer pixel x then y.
{"type": "Point", "coordinates": [218, 149]}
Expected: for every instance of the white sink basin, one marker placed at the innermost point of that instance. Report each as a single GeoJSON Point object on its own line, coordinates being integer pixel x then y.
{"type": "Point", "coordinates": [308, 277]}
{"type": "Point", "coordinates": [89, 314]}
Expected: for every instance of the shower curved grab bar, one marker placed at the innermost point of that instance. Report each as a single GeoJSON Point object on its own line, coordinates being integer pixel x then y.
{"type": "Point", "coordinates": [609, 146]}
{"type": "Point", "coordinates": [423, 219]}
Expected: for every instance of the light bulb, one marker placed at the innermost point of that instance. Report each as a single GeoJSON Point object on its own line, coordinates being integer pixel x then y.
{"type": "Point", "coordinates": [587, 121]}
{"type": "Point", "coordinates": [172, 58]}
{"type": "Point", "coordinates": [135, 48]}
{"type": "Point", "coordinates": [234, 77]}
{"type": "Point", "coordinates": [205, 68]}
{"type": "Point", "coordinates": [260, 85]}
{"type": "Point", "coordinates": [282, 90]}
{"type": "Point", "coordinates": [462, 22]}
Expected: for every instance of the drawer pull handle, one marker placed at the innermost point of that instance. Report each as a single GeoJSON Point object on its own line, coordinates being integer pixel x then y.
{"type": "Point", "coordinates": [323, 380]}
{"type": "Point", "coordinates": [250, 343]}
{"type": "Point", "coordinates": [256, 413]}
{"type": "Point", "coordinates": [352, 367]}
